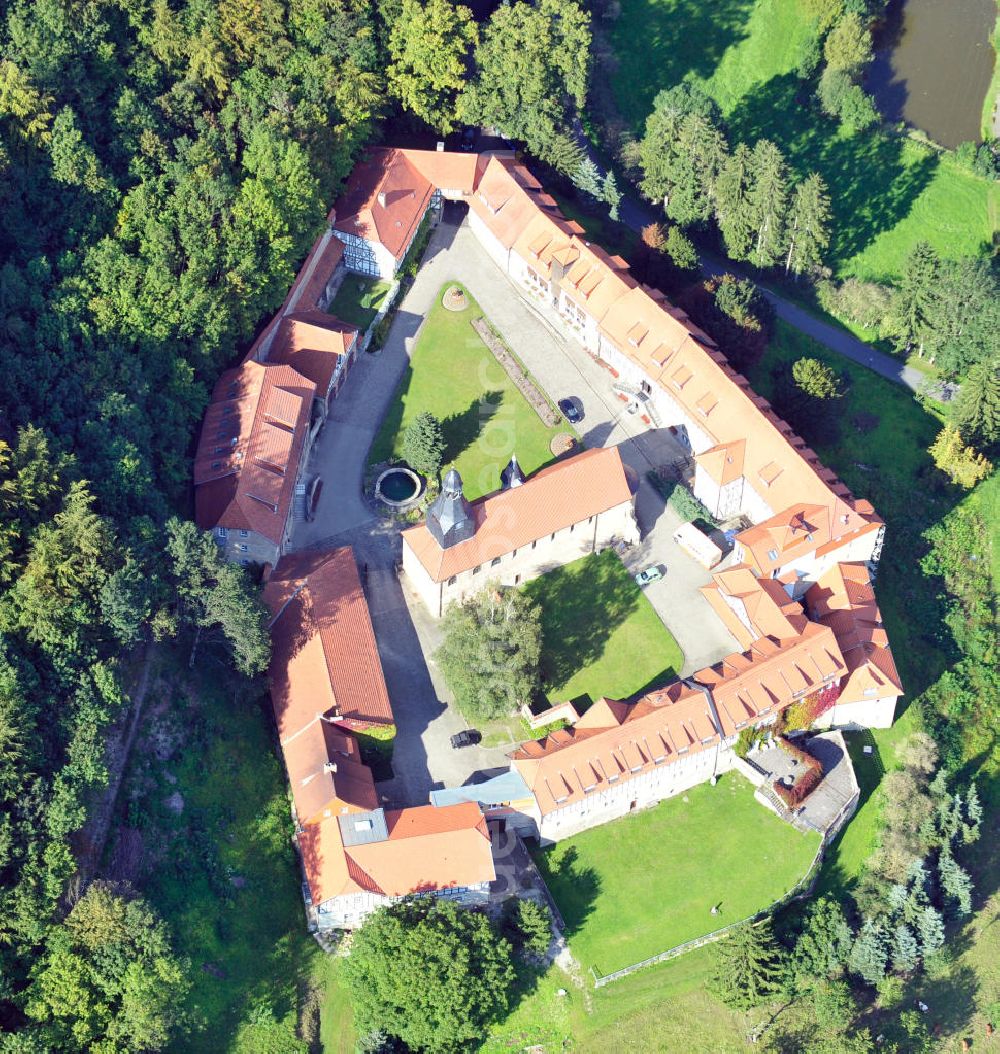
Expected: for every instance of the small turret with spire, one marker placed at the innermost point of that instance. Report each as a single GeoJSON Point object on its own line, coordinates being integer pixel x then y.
{"type": "Point", "coordinates": [449, 519]}
{"type": "Point", "coordinates": [511, 476]}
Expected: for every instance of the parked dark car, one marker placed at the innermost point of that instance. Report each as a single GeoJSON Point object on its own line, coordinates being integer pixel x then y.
{"type": "Point", "coordinates": [468, 737]}
{"type": "Point", "coordinates": [570, 411]}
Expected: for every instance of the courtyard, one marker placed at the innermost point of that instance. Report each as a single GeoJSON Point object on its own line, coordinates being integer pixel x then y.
{"type": "Point", "coordinates": [433, 360]}
{"type": "Point", "coordinates": [636, 887]}
{"type": "Point", "coordinates": [454, 376]}
{"type": "Point", "coordinates": [600, 635]}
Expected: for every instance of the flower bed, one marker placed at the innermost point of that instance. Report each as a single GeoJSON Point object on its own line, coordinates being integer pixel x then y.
{"type": "Point", "coordinates": [805, 784]}
{"type": "Point", "coordinates": [538, 402]}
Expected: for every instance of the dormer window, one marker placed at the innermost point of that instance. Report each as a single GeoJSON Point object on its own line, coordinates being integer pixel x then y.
{"type": "Point", "coordinates": [772, 554]}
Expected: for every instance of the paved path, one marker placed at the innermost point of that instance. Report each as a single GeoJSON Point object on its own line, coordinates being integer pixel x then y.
{"type": "Point", "coordinates": [636, 214]}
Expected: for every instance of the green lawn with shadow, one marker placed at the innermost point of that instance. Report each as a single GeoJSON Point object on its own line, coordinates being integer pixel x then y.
{"type": "Point", "coordinates": [600, 635]}
{"type": "Point", "coordinates": [453, 375]}
{"type": "Point", "coordinates": [358, 300]}
{"type": "Point", "coordinates": [638, 886]}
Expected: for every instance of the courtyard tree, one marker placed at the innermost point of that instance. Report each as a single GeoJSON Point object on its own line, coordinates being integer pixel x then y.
{"type": "Point", "coordinates": [808, 226]}
{"type": "Point", "coordinates": [748, 966]}
{"type": "Point", "coordinates": [423, 444]}
{"type": "Point", "coordinates": [532, 63]}
{"type": "Point", "coordinates": [430, 44]}
{"type": "Point", "coordinates": [491, 651]}
{"type": "Point", "coordinates": [430, 973]}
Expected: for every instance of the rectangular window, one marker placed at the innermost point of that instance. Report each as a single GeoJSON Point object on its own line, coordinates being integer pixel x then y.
{"type": "Point", "coordinates": [244, 534]}
{"type": "Point", "coordinates": [534, 544]}
{"type": "Point", "coordinates": [222, 532]}
{"type": "Point", "coordinates": [243, 548]}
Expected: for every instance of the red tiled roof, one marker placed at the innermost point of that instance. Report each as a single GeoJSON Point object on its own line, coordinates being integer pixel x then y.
{"type": "Point", "coordinates": [764, 603]}
{"type": "Point", "coordinates": [562, 494]}
{"type": "Point", "coordinates": [385, 199]}
{"type": "Point", "coordinates": [248, 454]}
{"type": "Point", "coordinates": [312, 342]}
{"type": "Point", "coordinates": [428, 848]}
{"type": "Point", "coordinates": [324, 656]}
{"type": "Point", "coordinates": [843, 599]}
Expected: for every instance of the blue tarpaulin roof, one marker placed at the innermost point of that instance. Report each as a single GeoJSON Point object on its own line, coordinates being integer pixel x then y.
{"type": "Point", "coordinates": [508, 786]}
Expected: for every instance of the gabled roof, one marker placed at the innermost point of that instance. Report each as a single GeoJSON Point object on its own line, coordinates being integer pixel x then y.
{"type": "Point", "coordinates": [772, 674]}
{"type": "Point", "coordinates": [426, 848]}
{"type": "Point", "coordinates": [843, 599]}
{"type": "Point", "coordinates": [312, 342]}
{"type": "Point", "coordinates": [388, 192]}
{"type": "Point", "coordinates": [248, 454]}
{"type": "Point", "coordinates": [622, 742]}
{"type": "Point", "coordinates": [326, 773]}
{"type": "Point", "coordinates": [752, 607]}
{"type": "Point", "coordinates": [507, 197]}
{"type": "Point", "coordinates": [565, 493]}
{"type": "Point", "coordinates": [724, 462]}
{"type": "Point", "coordinates": [324, 658]}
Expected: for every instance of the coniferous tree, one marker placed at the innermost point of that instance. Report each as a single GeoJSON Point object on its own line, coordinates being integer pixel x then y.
{"type": "Point", "coordinates": [955, 882]}
{"type": "Point", "coordinates": [808, 226]}
{"type": "Point", "coordinates": [870, 955]}
{"type": "Point", "coordinates": [748, 967]}
{"type": "Point", "coordinates": [733, 209]}
{"type": "Point", "coordinates": [423, 444]}
{"type": "Point", "coordinates": [913, 301]}
{"type": "Point", "coordinates": [681, 250]}
{"type": "Point", "coordinates": [611, 194]}
{"type": "Point", "coordinates": [905, 949]}
{"type": "Point", "coordinates": [768, 202]}
{"type": "Point", "coordinates": [976, 410]}
{"type": "Point", "coordinates": [588, 178]}
{"type": "Point", "coordinates": [973, 813]}
{"type": "Point", "coordinates": [930, 929]}
{"type": "Point", "coordinates": [825, 944]}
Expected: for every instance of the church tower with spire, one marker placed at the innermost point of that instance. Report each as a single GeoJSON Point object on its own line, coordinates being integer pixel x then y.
{"type": "Point", "coordinates": [449, 519]}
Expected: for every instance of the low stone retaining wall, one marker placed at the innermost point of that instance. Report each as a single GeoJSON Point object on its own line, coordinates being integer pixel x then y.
{"type": "Point", "coordinates": [524, 384]}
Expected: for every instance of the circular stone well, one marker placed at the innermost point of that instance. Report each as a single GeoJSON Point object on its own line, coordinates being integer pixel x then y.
{"type": "Point", "coordinates": [562, 443]}
{"type": "Point", "coordinates": [398, 487]}
{"type": "Point", "coordinates": [454, 299]}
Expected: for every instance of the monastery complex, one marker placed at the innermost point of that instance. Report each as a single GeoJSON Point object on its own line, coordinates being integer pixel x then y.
{"type": "Point", "coordinates": [796, 594]}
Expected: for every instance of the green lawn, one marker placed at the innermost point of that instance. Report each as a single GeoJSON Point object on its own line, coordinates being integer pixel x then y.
{"type": "Point", "coordinates": [600, 635]}
{"type": "Point", "coordinates": [453, 375]}
{"type": "Point", "coordinates": [888, 193]}
{"type": "Point", "coordinates": [645, 883]}
{"type": "Point", "coordinates": [358, 300]}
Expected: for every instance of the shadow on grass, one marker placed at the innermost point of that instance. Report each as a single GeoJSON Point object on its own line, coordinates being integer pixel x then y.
{"type": "Point", "coordinates": [678, 38]}
{"type": "Point", "coordinates": [461, 430]}
{"type": "Point", "coordinates": [574, 886]}
{"type": "Point", "coordinates": [871, 187]}
{"type": "Point", "coordinates": [582, 605]}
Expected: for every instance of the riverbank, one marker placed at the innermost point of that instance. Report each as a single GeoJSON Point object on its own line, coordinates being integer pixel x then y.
{"type": "Point", "coordinates": [991, 104]}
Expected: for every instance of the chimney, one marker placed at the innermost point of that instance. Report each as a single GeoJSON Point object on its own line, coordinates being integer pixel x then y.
{"type": "Point", "coordinates": [330, 766]}
{"type": "Point", "coordinates": [381, 198]}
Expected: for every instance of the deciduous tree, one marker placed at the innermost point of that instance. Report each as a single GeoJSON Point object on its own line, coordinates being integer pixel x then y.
{"type": "Point", "coordinates": [429, 972]}
{"type": "Point", "coordinates": [848, 46]}
{"type": "Point", "coordinates": [430, 44]}
{"type": "Point", "coordinates": [960, 463]}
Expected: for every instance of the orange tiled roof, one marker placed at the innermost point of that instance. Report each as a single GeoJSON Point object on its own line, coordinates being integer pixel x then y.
{"type": "Point", "coordinates": [565, 493]}
{"type": "Point", "coordinates": [427, 848]}
{"type": "Point", "coordinates": [766, 609]}
{"type": "Point", "coordinates": [843, 599]}
{"type": "Point", "coordinates": [324, 657]}
{"type": "Point", "coordinates": [312, 342]}
{"type": "Point", "coordinates": [772, 674]}
{"type": "Point", "coordinates": [248, 453]}
{"type": "Point", "coordinates": [616, 742]}
{"type": "Point", "coordinates": [326, 773]}
{"type": "Point", "coordinates": [682, 359]}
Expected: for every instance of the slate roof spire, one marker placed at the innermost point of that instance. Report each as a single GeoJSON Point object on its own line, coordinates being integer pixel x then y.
{"type": "Point", "coordinates": [449, 519]}
{"type": "Point", "coordinates": [511, 476]}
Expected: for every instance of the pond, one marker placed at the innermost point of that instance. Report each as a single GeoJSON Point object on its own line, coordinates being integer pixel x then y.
{"type": "Point", "coordinates": [933, 64]}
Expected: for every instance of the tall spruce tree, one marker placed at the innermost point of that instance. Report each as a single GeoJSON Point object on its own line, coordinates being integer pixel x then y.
{"type": "Point", "coordinates": [905, 949]}
{"type": "Point", "coordinates": [768, 202]}
{"type": "Point", "coordinates": [748, 966]}
{"type": "Point", "coordinates": [611, 194]}
{"type": "Point", "coordinates": [955, 883]}
{"type": "Point", "coordinates": [912, 304]}
{"type": "Point", "coordinates": [930, 928]}
{"type": "Point", "coordinates": [808, 226]}
{"type": "Point", "coordinates": [870, 954]}
{"type": "Point", "coordinates": [587, 178]}
{"type": "Point", "coordinates": [733, 209]}
{"type": "Point", "coordinates": [976, 410]}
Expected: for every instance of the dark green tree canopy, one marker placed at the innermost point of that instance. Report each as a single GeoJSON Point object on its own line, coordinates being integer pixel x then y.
{"type": "Point", "coordinates": [433, 974]}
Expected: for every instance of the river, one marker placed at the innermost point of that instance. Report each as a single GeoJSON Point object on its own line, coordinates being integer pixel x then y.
{"type": "Point", "coordinates": [933, 64]}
